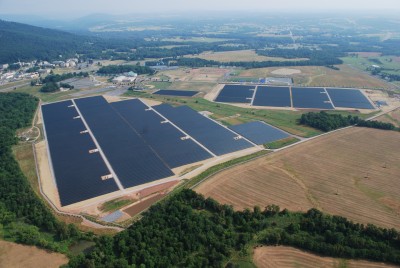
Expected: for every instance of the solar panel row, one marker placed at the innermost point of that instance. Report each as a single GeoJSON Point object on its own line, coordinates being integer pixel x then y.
{"type": "Point", "coordinates": [272, 96]}
{"type": "Point", "coordinates": [181, 93]}
{"type": "Point", "coordinates": [213, 136]}
{"type": "Point", "coordinates": [349, 98]}
{"type": "Point", "coordinates": [236, 94]}
{"type": "Point", "coordinates": [133, 161]}
{"type": "Point", "coordinates": [260, 132]}
{"type": "Point", "coordinates": [169, 143]}
{"type": "Point", "coordinates": [77, 172]}
{"type": "Point", "coordinates": [302, 97]}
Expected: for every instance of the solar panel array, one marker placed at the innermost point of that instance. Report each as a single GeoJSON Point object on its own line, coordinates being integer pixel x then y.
{"type": "Point", "coordinates": [133, 161]}
{"type": "Point", "coordinates": [349, 98]}
{"type": "Point", "coordinates": [168, 142]}
{"type": "Point", "coordinates": [298, 97]}
{"type": "Point", "coordinates": [307, 97]}
{"type": "Point", "coordinates": [180, 93]}
{"type": "Point", "coordinates": [213, 136]}
{"type": "Point", "coordinates": [77, 172]}
{"type": "Point", "coordinates": [272, 96]}
{"type": "Point", "coordinates": [236, 94]}
{"type": "Point", "coordinates": [260, 132]}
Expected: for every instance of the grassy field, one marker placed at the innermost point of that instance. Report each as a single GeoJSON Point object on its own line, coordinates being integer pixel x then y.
{"type": "Point", "coordinates": [281, 143]}
{"type": "Point", "coordinates": [353, 173]}
{"type": "Point", "coordinates": [288, 257]}
{"type": "Point", "coordinates": [322, 76]}
{"type": "Point", "coordinates": [391, 64]}
{"type": "Point", "coordinates": [238, 55]}
{"type": "Point", "coordinates": [115, 204]}
{"type": "Point", "coordinates": [392, 117]}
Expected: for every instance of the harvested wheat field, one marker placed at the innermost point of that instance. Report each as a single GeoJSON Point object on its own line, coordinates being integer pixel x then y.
{"type": "Point", "coordinates": [288, 257]}
{"type": "Point", "coordinates": [18, 256]}
{"type": "Point", "coordinates": [354, 173]}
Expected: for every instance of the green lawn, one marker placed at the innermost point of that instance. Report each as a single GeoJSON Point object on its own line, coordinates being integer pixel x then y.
{"type": "Point", "coordinates": [281, 143]}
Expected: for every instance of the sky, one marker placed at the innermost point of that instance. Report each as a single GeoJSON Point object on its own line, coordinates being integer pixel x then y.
{"type": "Point", "coordinates": [74, 8]}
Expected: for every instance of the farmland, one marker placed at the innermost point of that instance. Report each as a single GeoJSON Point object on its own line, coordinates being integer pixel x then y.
{"type": "Point", "coordinates": [14, 255]}
{"type": "Point", "coordinates": [238, 55]}
{"type": "Point", "coordinates": [353, 173]}
{"type": "Point", "coordinates": [287, 257]}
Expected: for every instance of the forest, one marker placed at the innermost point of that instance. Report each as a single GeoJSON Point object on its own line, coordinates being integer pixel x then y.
{"type": "Point", "coordinates": [188, 230]}
{"type": "Point", "coordinates": [52, 81]}
{"type": "Point", "coordinates": [326, 122]}
{"type": "Point", "coordinates": [24, 217]}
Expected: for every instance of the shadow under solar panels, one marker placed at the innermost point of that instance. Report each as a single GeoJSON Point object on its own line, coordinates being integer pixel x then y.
{"type": "Point", "coordinates": [272, 96]}
{"type": "Point", "coordinates": [349, 98]}
{"type": "Point", "coordinates": [164, 138]}
{"type": "Point", "coordinates": [181, 93]}
{"type": "Point", "coordinates": [310, 98]}
{"type": "Point", "coordinates": [259, 132]}
{"type": "Point", "coordinates": [133, 161]}
{"type": "Point", "coordinates": [77, 172]}
{"type": "Point", "coordinates": [236, 94]}
{"type": "Point", "coordinates": [213, 136]}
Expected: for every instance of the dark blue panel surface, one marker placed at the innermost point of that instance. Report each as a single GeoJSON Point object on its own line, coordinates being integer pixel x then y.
{"type": "Point", "coordinates": [77, 172]}
{"type": "Point", "coordinates": [236, 94]}
{"type": "Point", "coordinates": [272, 96]}
{"type": "Point", "coordinates": [132, 159]}
{"type": "Point", "coordinates": [259, 132]}
{"type": "Point", "coordinates": [181, 93]}
{"type": "Point", "coordinates": [349, 98]}
{"type": "Point", "coordinates": [313, 98]}
{"type": "Point", "coordinates": [214, 137]}
{"type": "Point", "coordinates": [164, 138]}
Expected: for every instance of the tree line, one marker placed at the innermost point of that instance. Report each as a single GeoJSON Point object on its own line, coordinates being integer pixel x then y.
{"type": "Point", "coordinates": [326, 122]}
{"type": "Point", "coordinates": [188, 230]}
{"type": "Point", "coordinates": [24, 217]}
{"type": "Point", "coordinates": [51, 83]}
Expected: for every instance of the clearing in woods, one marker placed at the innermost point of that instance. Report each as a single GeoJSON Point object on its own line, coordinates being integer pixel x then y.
{"type": "Point", "coordinates": [352, 173]}
{"type": "Point", "coordinates": [288, 257]}
{"type": "Point", "coordinates": [13, 255]}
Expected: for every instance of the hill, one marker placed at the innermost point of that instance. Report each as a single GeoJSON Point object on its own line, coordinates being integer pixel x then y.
{"type": "Point", "coordinates": [25, 42]}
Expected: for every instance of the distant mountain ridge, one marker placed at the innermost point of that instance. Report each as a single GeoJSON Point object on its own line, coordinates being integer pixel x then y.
{"type": "Point", "coordinates": [25, 43]}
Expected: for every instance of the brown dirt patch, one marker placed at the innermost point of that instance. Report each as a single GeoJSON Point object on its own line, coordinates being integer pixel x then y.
{"type": "Point", "coordinates": [345, 173]}
{"type": "Point", "coordinates": [288, 257]}
{"type": "Point", "coordinates": [13, 255]}
{"type": "Point", "coordinates": [142, 205]}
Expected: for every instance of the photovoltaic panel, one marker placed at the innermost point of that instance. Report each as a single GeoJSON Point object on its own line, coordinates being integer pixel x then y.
{"type": "Point", "coordinates": [259, 132]}
{"type": "Point", "coordinates": [272, 96]}
{"type": "Point", "coordinates": [180, 93]}
{"type": "Point", "coordinates": [213, 136]}
{"type": "Point", "coordinates": [133, 161]}
{"type": "Point", "coordinates": [236, 94]}
{"type": "Point", "coordinates": [349, 98]}
{"type": "Point", "coordinates": [313, 98]}
{"type": "Point", "coordinates": [167, 141]}
{"type": "Point", "coordinates": [77, 172]}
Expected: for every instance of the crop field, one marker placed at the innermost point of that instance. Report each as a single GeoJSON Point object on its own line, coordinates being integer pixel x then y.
{"type": "Point", "coordinates": [322, 76]}
{"type": "Point", "coordinates": [238, 55]}
{"type": "Point", "coordinates": [288, 257]}
{"type": "Point", "coordinates": [353, 173]}
{"type": "Point", "coordinates": [15, 255]}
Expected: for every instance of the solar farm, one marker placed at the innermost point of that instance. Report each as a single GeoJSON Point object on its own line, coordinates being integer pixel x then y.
{"type": "Point", "coordinates": [295, 97]}
{"type": "Point", "coordinates": [177, 93]}
{"type": "Point", "coordinates": [97, 148]}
